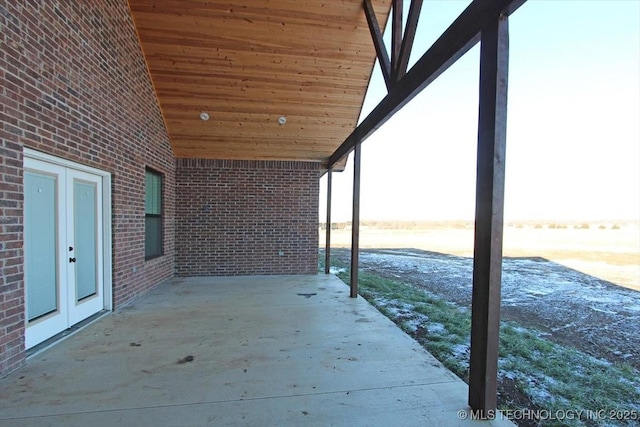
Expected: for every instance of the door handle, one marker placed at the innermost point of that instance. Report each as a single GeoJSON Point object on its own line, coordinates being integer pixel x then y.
{"type": "Point", "coordinates": [72, 260]}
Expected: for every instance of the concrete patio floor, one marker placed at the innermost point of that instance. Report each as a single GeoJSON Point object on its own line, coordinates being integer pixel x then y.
{"type": "Point", "coordinates": [247, 351]}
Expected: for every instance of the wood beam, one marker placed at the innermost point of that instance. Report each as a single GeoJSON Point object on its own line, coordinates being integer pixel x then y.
{"type": "Point", "coordinates": [407, 41]}
{"type": "Point", "coordinates": [456, 40]}
{"type": "Point", "coordinates": [355, 223]}
{"type": "Point", "coordinates": [327, 246]}
{"type": "Point", "coordinates": [487, 259]}
{"type": "Point", "coordinates": [396, 36]}
{"type": "Point", "coordinates": [378, 42]}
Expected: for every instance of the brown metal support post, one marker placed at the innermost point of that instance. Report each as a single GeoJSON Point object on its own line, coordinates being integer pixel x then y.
{"type": "Point", "coordinates": [327, 246]}
{"type": "Point", "coordinates": [487, 258]}
{"type": "Point", "coordinates": [355, 221]}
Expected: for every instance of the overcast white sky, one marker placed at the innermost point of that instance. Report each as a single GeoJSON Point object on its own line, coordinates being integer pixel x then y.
{"type": "Point", "coordinates": [573, 140]}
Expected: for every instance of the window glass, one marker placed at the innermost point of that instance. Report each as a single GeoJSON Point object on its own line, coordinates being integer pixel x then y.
{"type": "Point", "coordinates": [153, 215]}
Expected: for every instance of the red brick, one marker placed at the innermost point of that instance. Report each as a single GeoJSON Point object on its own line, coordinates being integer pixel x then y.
{"type": "Point", "coordinates": [234, 217]}
{"type": "Point", "coordinates": [73, 90]}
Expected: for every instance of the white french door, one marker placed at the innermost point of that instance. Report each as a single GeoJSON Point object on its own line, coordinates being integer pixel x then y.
{"type": "Point", "coordinates": [64, 247]}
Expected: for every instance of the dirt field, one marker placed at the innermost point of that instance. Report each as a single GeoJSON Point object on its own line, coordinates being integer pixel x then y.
{"type": "Point", "coordinates": [579, 286]}
{"type": "Point", "coordinates": [609, 254]}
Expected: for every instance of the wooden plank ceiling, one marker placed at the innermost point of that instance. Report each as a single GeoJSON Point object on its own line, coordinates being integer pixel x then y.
{"type": "Point", "coordinates": [247, 63]}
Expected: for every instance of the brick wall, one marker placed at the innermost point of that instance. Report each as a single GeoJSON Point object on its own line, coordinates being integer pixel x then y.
{"type": "Point", "coordinates": [246, 217]}
{"type": "Point", "coordinates": [11, 285]}
{"type": "Point", "coordinates": [74, 84]}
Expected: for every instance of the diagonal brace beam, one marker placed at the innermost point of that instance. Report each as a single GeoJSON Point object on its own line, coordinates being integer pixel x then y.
{"type": "Point", "coordinates": [461, 36]}
{"type": "Point", "coordinates": [378, 42]}
{"type": "Point", "coordinates": [402, 62]}
{"type": "Point", "coordinates": [396, 36]}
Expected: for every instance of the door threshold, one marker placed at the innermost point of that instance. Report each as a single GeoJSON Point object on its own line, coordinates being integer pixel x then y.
{"type": "Point", "coordinates": [39, 348]}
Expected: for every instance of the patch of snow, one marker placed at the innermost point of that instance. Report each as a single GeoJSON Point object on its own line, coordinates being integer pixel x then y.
{"type": "Point", "coordinates": [635, 308]}
{"type": "Point", "coordinates": [407, 307]}
{"type": "Point", "coordinates": [565, 326]}
{"type": "Point", "coordinates": [392, 310]}
{"type": "Point", "coordinates": [626, 381]}
{"type": "Point", "coordinates": [460, 351]}
{"type": "Point", "coordinates": [537, 388]}
{"type": "Point", "coordinates": [436, 328]}
{"type": "Point", "coordinates": [416, 322]}
{"type": "Point", "coordinates": [515, 302]}
{"type": "Point", "coordinates": [395, 308]}
{"type": "Point", "coordinates": [600, 310]}
{"type": "Point", "coordinates": [336, 270]}
{"type": "Point", "coordinates": [507, 374]}
{"type": "Point", "coordinates": [601, 362]}
{"type": "Point", "coordinates": [539, 291]}
{"type": "Point", "coordinates": [382, 302]}
{"type": "Point", "coordinates": [603, 299]}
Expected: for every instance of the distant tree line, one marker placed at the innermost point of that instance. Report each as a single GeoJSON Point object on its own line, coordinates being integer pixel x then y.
{"type": "Point", "coordinates": [460, 224]}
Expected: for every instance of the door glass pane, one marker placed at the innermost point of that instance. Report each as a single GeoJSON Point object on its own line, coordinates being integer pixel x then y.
{"type": "Point", "coordinates": [40, 237]}
{"type": "Point", "coordinates": [85, 229]}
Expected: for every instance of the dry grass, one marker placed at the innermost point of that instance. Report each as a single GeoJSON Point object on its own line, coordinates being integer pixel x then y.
{"type": "Point", "coordinates": [611, 253]}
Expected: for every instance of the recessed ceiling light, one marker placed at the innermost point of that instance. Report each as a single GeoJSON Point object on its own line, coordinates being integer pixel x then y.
{"type": "Point", "coordinates": [282, 120]}
{"type": "Point", "coordinates": [204, 116]}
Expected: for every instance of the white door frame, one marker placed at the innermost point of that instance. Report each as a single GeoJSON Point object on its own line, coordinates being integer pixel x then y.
{"type": "Point", "coordinates": [106, 291]}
